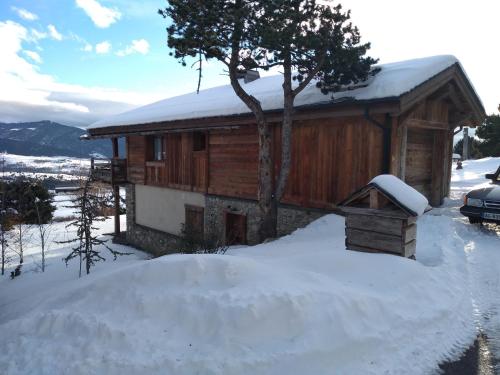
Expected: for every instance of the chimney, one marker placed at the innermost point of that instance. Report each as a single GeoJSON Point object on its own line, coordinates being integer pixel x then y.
{"type": "Point", "coordinates": [248, 75]}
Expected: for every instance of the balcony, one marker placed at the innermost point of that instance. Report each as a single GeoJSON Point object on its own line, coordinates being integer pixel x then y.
{"type": "Point", "coordinates": [112, 171]}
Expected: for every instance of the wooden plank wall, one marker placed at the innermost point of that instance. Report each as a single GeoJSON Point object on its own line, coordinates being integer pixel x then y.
{"type": "Point", "coordinates": [183, 168]}
{"type": "Point", "coordinates": [419, 159]}
{"type": "Point", "coordinates": [331, 158]}
{"type": "Point", "coordinates": [233, 162]}
{"type": "Point", "coordinates": [428, 149]}
{"type": "Point", "coordinates": [136, 157]}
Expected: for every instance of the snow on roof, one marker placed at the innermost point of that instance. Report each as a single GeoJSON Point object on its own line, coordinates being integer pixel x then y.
{"type": "Point", "coordinates": [404, 194]}
{"type": "Point", "coordinates": [393, 80]}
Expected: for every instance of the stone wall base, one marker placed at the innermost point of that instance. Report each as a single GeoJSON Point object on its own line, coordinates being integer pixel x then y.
{"type": "Point", "coordinates": [289, 218]}
{"type": "Point", "coordinates": [160, 243]}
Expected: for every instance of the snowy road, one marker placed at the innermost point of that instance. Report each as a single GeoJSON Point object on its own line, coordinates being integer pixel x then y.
{"type": "Point", "coordinates": [482, 245]}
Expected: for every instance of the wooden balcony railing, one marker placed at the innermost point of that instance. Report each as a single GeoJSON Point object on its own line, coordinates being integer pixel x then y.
{"type": "Point", "coordinates": [156, 173]}
{"type": "Point", "coordinates": [112, 171]}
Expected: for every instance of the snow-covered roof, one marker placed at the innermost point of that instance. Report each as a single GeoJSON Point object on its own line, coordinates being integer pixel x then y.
{"type": "Point", "coordinates": [393, 80]}
{"type": "Point", "coordinates": [404, 194]}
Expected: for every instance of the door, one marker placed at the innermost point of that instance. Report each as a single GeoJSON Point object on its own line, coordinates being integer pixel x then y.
{"type": "Point", "coordinates": [236, 229]}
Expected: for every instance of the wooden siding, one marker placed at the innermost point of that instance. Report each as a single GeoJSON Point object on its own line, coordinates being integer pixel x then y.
{"type": "Point", "coordinates": [330, 160]}
{"type": "Point", "coordinates": [428, 149]}
{"type": "Point", "coordinates": [419, 160]}
{"type": "Point", "coordinates": [182, 168]}
{"type": "Point", "coordinates": [136, 157]}
{"type": "Point", "coordinates": [233, 162]}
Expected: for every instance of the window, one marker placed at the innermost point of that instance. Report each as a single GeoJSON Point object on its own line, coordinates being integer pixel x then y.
{"type": "Point", "coordinates": [199, 141]}
{"type": "Point", "coordinates": [158, 148]}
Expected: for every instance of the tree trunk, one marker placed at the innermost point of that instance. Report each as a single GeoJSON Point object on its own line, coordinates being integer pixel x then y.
{"type": "Point", "coordinates": [21, 255]}
{"type": "Point", "coordinates": [286, 129]}
{"type": "Point", "coordinates": [268, 208]}
{"type": "Point", "coordinates": [2, 239]}
{"type": "Point", "coordinates": [267, 205]}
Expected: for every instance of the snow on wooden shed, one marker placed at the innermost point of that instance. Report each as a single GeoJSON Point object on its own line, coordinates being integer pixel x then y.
{"type": "Point", "coordinates": [382, 217]}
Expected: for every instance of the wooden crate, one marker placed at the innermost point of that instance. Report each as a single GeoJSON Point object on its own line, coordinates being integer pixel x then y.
{"type": "Point", "coordinates": [377, 231]}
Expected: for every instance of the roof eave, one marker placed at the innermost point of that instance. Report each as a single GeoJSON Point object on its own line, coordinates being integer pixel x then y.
{"type": "Point", "coordinates": [347, 107]}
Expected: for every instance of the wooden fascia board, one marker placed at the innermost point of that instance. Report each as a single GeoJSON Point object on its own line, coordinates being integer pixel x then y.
{"type": "Point", "coordinates": [413, 97]}
{"type": "Point", "coordinates": [470, 95]}
{"type": "Point", "coordinates": [354, 108]}
{"type": "Point", "coordinates": [453, 73]}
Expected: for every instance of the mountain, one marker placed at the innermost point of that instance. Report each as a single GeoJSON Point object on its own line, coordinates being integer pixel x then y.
{"type": "Point", "coordinates": [47, 138]}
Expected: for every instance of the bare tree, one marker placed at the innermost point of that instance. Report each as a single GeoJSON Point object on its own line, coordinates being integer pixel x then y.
{"type": "Point", "coordinates": [88, 204]}
{"type": "Point", "coordinates": [44, 231]}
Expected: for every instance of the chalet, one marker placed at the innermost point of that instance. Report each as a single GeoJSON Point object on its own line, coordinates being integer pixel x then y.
{"type": "Point", "coordinates": [193, 159]}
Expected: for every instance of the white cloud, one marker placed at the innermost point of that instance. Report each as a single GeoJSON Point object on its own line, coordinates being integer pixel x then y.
{"type": "Point", "coordinates": [54, 34]}
{"type": "Point", "coordinates": [33, 56]}
{"type": "Point", "coordinates": [138, 46]}
{"type": "Point", "coordinates": [36, 35]}
{"type": "Point", "coordinates": [29, 95]}
{"type": "Point", "coordinates": [87, 47]}
{"type": "Point", "coordinates": [24, 14]}
{"type": "Point", "coordinates": [101, 16]}
{"type": "Point", "coordinates": [103, 47]}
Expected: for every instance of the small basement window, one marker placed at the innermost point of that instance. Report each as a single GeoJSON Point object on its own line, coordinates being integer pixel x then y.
{"type": "Point", "coordinates": [199, 141]}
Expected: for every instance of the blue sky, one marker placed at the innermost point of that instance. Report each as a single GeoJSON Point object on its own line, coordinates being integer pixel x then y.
{"type": "Point", "coordinates": [75, 61]}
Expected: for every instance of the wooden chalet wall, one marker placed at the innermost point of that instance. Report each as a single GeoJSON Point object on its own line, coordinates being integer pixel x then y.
{"type": "Point", "coordinates": [183, 168]}
{"type": "Point", "coordinates": [234, 162]}
{"type": "Point", "coordinates": [136, 157]}
{"type": "Point", "coordinates": [422, 158]}
{"type": "Point", "coordinates": [331, 158]}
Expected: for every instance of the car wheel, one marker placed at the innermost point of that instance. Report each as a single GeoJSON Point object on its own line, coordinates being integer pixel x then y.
{"type": "Point", "coordinates": [475, 220]}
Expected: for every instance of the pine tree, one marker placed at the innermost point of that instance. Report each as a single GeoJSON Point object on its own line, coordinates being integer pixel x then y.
{"type": "Point", "coordinates": [29, 202]}
{"type": "Point", "coordinates": [474, 145]}
{"type": "Point", "coordinates": [489, 132]}
{"type": "Point", "coordinates": [307, 39]}
{"type": "Point", "coordinates": [88, 204]}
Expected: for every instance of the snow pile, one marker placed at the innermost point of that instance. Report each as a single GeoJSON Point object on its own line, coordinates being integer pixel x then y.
{"type": "Point", "coordinates": [393, 80]}
{"type": "Point", "coordinates": [299, 305]}
{"type": "Point", "coordinates": [407, 196]}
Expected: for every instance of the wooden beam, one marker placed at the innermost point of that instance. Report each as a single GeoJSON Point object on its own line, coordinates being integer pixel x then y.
{"type": "Point", "coordinates": [438, 154]}
{"type": "Point", "coordinates": [116, 193]}
{"type": "Point", "coordinates": [114, 141]}
{"type": "Point", "coordinates": [403, 151]}
{"type": "Point", "coordinates": [425, 124]}
{"type": "Point", "coordinates": [395, 146]}
{"type": "Point", "coordinates": [351, 109]}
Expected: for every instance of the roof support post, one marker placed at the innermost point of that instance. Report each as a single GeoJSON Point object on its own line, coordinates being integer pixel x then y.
{"type": "Point", "coordinates": [386, 142]}
{"type": "Point", "coordinates": [114, 141]}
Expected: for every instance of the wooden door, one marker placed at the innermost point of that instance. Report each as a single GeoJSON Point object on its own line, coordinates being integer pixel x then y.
{"type": "Point", "coordinates": [236, 229]}
{"type": "Point", "coordinates": [195, 219]}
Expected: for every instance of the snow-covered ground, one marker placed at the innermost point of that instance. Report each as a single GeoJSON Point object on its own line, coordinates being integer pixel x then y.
{"type": "Point", "coordinates": [59, 167]}
{"type": "Point", "coordinates": [299, 305]}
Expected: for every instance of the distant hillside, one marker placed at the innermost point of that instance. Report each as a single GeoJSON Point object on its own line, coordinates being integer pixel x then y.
{"type": "Point", "coordinates": [46, 138]}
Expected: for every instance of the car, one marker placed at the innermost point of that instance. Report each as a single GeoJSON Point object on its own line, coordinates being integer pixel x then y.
{"type": "Point", "coordinates": [483, 205]}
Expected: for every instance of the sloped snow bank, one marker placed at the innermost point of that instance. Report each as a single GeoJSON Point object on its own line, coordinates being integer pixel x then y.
{"type": "Point", "coordinates": [299, 305]}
